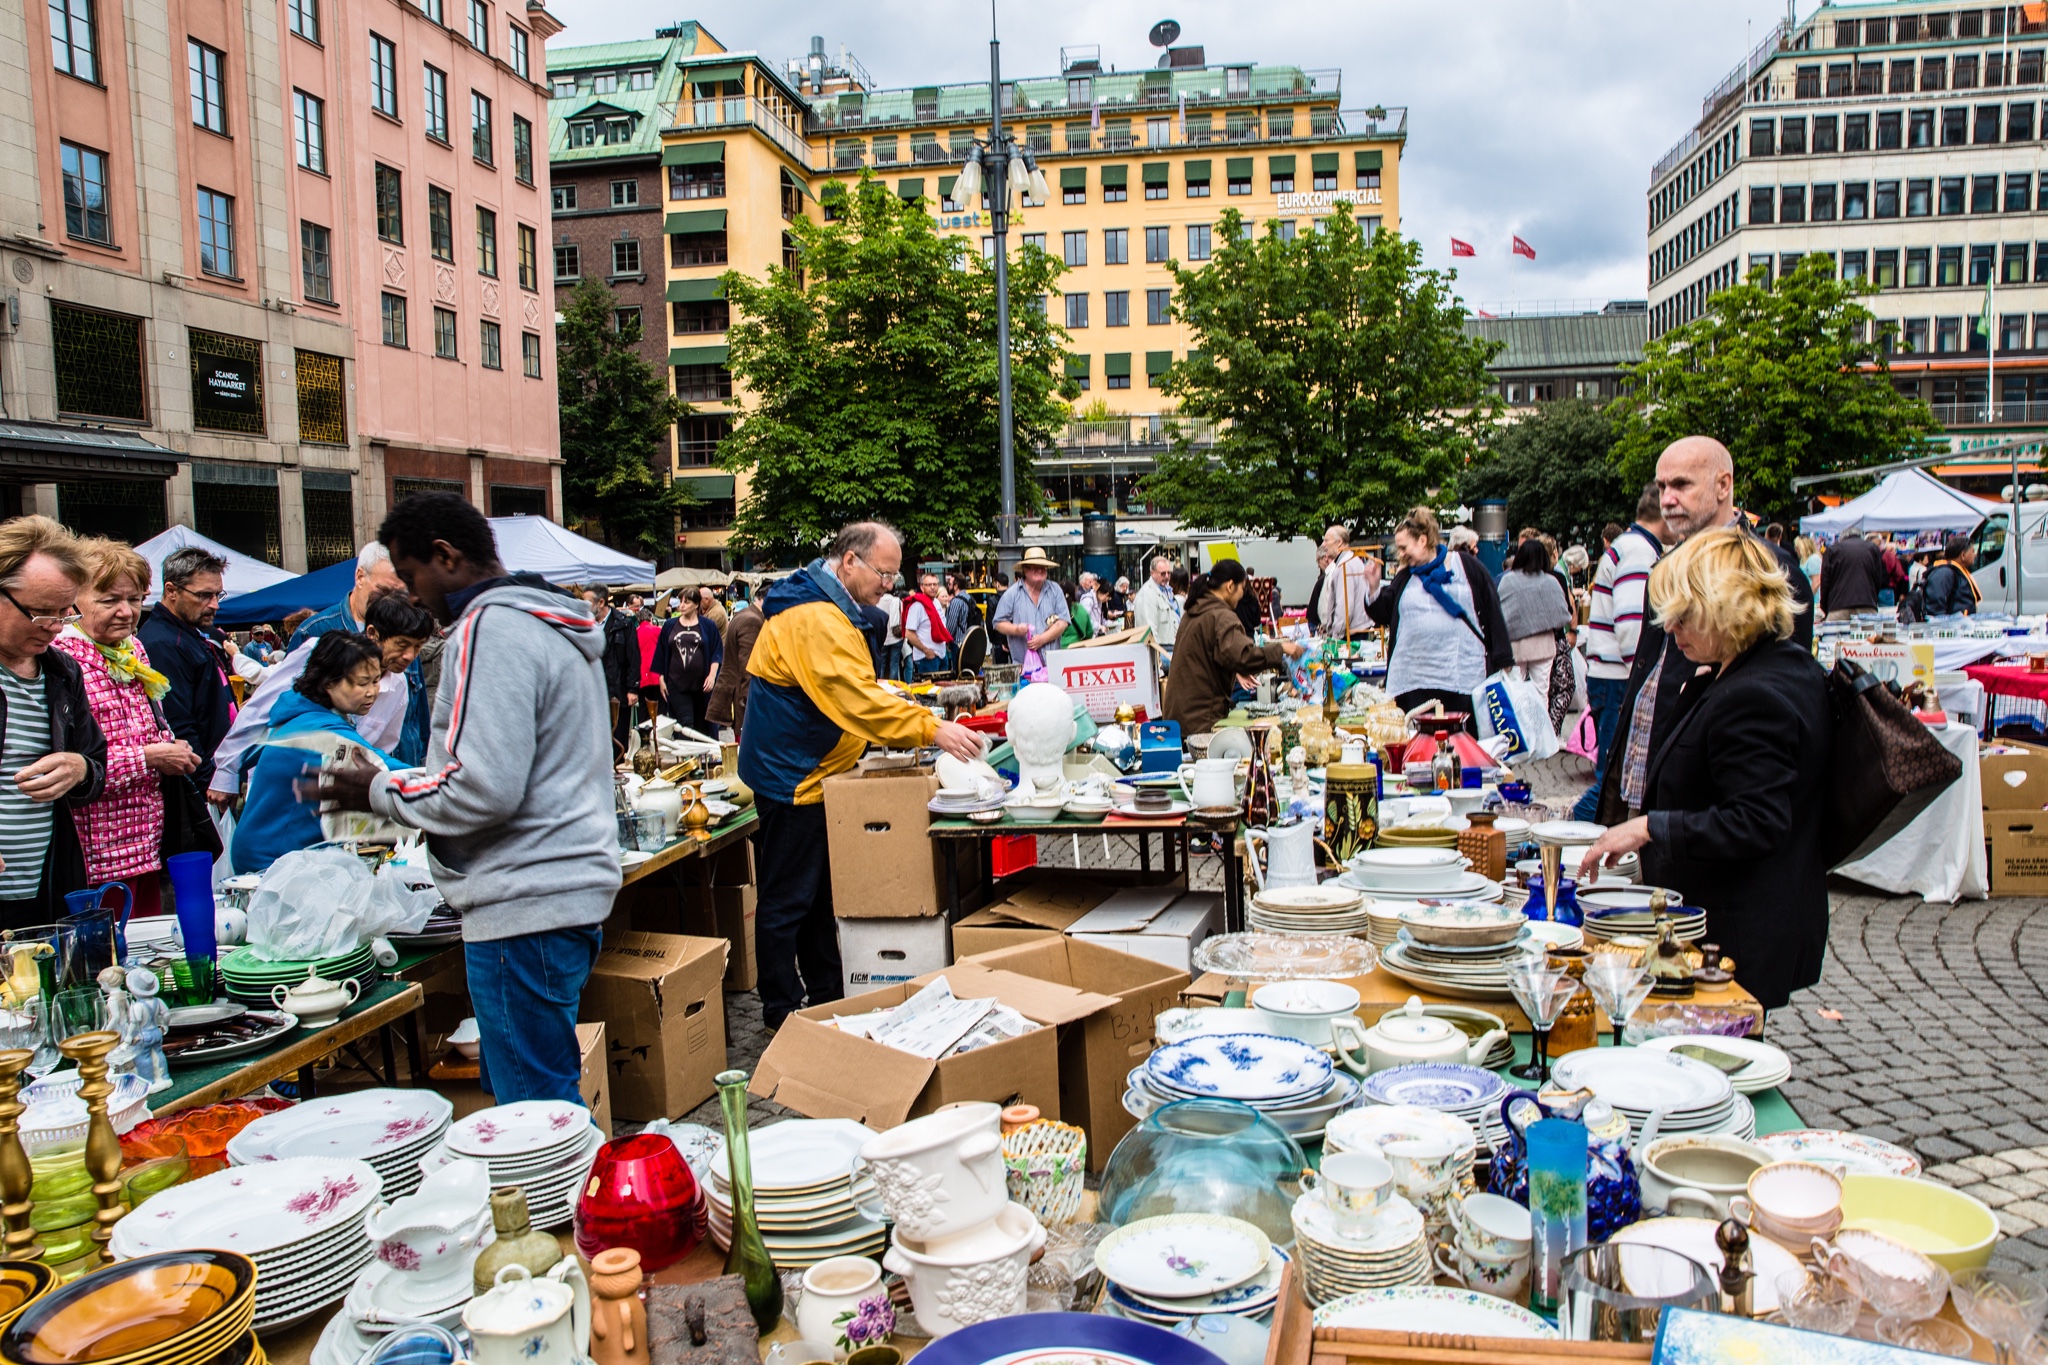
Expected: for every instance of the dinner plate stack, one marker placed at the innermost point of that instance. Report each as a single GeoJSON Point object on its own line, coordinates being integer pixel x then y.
{"type": "Point", "coordinates": [249, 978]}
{"type": "Point", "coordinates": [805, 1198]}
{"type": "Point", "coordinates": [1452, 885]}
{"type": "Point", "coordinates": [543, 1147]}
{"type": "Point", "coordinates": [1335, 1261]}
{"type": "Point", "coordinates": [1259, 1069]}
{"type": "Point", "coordinates": [1693, 1097]}
{"type": "Point", "coordinates": [1182, 1266]}
{"type": "Point", "coordinates": [1765, 1067]}
{"type": "Point", "coordinates": [1302, 1120]}
{"type": "Point", "coordinates": [1375, 1125]}
{"type": "Point", "coordinates": [1250, 1299]}
{"type": "Point", "coordinates": [1327, 909]}
{"type": "Point", "coordinates": [1612, 913]}
{"type": "Point", "coordinates": [390, 1129]}
{"type": "Point", "coordinates": [1472, 973]}
{"type": "Point", "coordinates": [1470, 1093]}
{"type": "Point", "coordinates": [300, 1219]}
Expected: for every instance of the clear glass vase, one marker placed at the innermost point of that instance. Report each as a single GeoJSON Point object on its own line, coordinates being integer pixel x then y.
{"type": "Point", "coordinates": [748, 1258]}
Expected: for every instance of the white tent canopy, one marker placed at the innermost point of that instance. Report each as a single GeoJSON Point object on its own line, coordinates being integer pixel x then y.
{"type": "Point", "coordinates": [537, 545]}
{"type": "Point", "coordinates": [244, 573]}
{"type": "Point", "coordinates": [1909, 500]}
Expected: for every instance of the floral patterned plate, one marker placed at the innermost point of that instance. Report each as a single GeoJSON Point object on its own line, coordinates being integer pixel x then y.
{"type": "Point", "coordinates": [364, 1123]}
{"type": "Point", "coordinates": [1843, 1153]}
{"type": "Point", "coordinates": [1239, 1066]}
{"type": "Point", "coordinates": [1253, 1296]}
{"type": "Point", "coordinates": [253, 1208]}
{"type": "Point", "coordinates": [516, 1129]}
{"type": "Point", "coordinates": [1183, 1255]}
{"type": "Point", "coordinates": [1420, 1309]}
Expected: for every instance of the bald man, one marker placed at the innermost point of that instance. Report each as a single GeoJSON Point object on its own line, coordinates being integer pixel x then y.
{"type": "Point", "coordinates": [1696, 492]}
{"type": "Point", "coordinates": [1345, 588]}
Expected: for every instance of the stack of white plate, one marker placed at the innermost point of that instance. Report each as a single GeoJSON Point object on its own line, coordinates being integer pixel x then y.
{"type": "Point", "coordinates": [1375, 1125]}
{"type": "Point", "coordinates": [1611, 913]}
{"type": "Point", "coordinates": [1452, 881]}
{"type": "Point", "coordinates": [1258, 1069]}
{"type": "Point", "coordinates": [1335, 1261]}
{"type": "Point", "coordinates": [1768, 1067]}
{"type": "Point", "coordinates": [805, 1200]}
{"type": "Point", "coordinates": [1479, 973]}
{"type": "Point", "coordinates": [1328, 909]}
{"type": "Point", "coordinates": [390, 1129]}
{"type": "Point", "coordinates": [1250, 1299]}
{"type": "Point", "coordinates": [1181, 1266]}
{"type": "Point", "coordinates": [1693, 1097]}
{"type": "Point", "coordinates": [1470, 1093]}
{"type": "Point", "coordinates": [1302, 1120]}
{"type": "Point", "coordinates": [300, 1219]}
{"type": "Point", "coordinates": [543, 1147]}
{"type": "Point", "coordinates": [1567, 833]}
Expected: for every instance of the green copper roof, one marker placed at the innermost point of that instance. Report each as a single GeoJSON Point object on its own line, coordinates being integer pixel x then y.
{"type": "Point", "coordinates": [643, 107]}
{"type": "Point", "coordinates": [1590, 340]}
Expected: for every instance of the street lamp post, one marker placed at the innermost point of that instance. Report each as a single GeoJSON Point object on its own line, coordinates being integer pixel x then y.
{"type": "Point", "coordinates": [1005, 167]}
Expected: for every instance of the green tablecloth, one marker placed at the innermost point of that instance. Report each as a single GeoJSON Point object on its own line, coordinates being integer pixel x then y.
{"type": "Point", "coordinates": [186, 1079]}
{"type": "Point", "coordinates": [1774, 1113]}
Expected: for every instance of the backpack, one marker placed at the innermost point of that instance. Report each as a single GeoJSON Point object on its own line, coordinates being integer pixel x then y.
{"type": "Point", "coordinates": [1887, 768]}
{"type": "Point", "coordinates": [686, 662]}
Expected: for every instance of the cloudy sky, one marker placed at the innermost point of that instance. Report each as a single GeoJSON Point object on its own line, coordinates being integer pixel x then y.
{"type": "Point", "coordinates": [1533, 117]}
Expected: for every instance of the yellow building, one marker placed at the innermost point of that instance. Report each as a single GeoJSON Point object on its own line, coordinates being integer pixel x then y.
{"type": "Point", "coordinates": [1140, 166]}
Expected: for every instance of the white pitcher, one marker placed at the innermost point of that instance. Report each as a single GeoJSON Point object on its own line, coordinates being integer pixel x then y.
{"type": "Point", "coordinates": [1210, 781]}
{"type": "Point", "coordinates": [1290, 855]}
{"type": "Point", "coordinates": [524, 1321]}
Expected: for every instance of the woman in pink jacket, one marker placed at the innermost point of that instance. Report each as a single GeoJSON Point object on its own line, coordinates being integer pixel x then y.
{"type": "Point", "coordinates": [122, 832]}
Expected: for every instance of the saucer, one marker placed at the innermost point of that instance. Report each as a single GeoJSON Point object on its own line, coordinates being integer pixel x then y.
{"type": "Point", "coordinates": [378, 1295]}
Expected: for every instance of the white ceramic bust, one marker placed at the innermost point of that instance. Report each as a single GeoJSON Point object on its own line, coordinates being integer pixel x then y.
{"type": "Point", "coordinates": [1041, 729]}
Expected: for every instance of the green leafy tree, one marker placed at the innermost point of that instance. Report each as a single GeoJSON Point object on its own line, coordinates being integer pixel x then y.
{"type": "Point", "coordinates": [1790, 376]}
{"type": "Point", "coordinates": [616, 416]}
{"type": "Point", "coordinates": [870, 380]}
{"type": "Point", "coordinates": [1555, 471]}
{"type": "Point", "coordinates": [1337, 373]}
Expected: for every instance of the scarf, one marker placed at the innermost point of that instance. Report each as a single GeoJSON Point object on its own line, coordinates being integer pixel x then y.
{"type": "Point", "coordinates": [934, 618]}
{"type": "Point", "coordinates": [1435, 578]}
{"type": "Point", "coordinates": [125, 666]}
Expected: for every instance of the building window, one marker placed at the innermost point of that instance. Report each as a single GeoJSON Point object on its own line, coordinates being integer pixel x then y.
{"type": "Point", "coordinates": [1951, 195]}
{"type": "Point", "coordinates": [626, 322]}
{"type": "Point", "coordinates": [1324, 181]}
{"type": "Point", "coordinates": [492, 345]}
{"type": "Point", "coordinates": [1885, 269]}
{"type": "Point", "coordinates": [304, 17]}
{"type": "Point", "coordinates": [1855, 264]}
{"type": "Point", "coordinates": [1855, 200]}
{"type": "Point", "coordinates": [1886, 204]}
{"type": "Point", "coordinates": [383, 75]}
{"type": "Point", "coordinates": [696, 248]}
{"type": "Point", "coordinates": [1919, 267]}
{"type": "Point", "coordinates": [440, 223]}
{"type": "Point", "coordinates": [216, 233]}
{"type": "Point", "coordinates": [486, 241]}
{"type": "Point", "coordinates": [1075, 245]}
{"type": "Point", "coordinates": [1158, 307]}
{"type": "Point", "coordinates": [703, 383]}
{"type": "Point", "coordinates": [1158, 244]}
{"type": "Point", "coordinates": [1920, 128]}
{"type": "Point", "coordinates": [1888, 132]}
{"type": "Point", "coordinates": [444, 333]}
{"type": "Point", "coordinates": [522, 150]}
{"type": "Point", "coordinates": [437, 103]}
{"type": "Point", "coordinates": [697, 439]}
{"type": "Point", "coordinates": [480, 128]}
{"type": "Point", "coordinates": [2013, 263]}
{"type": "Point", "coordinates": [2041, 273]}
{"type": "Point", "coordinates": [1985, 127]}
{"type": "Point", "coordinates": [1948, 335]}
{"type": "Point", "coordinates": [1966, 73]}
{"type": "Point", "coordinates": [1198, 182]}
{"type": "Point", "coordinates": [1762, 198]}
{"type": "Point", "coordinates": [1116, 371]}
{"type": "Point", "coordinates": [1198, 241]}
{"type": "Point", "coordinates": [394, 319]}
{"type": "Point", "coordinates": [323, 403]}
{"type": "Point", "coordinates": [390, 205]}
{"type": "Point", "coordinates": [1792, 137]}
{"type": "Point", "coordinates": [568, 262]}
{"type": "Point", "coordinates": [626, 257]}
{"type": "Point", "coordinates": [1034, 240]}
{"type": "Point", "coordinates": [701, 316]}
{"type": "Point", "coordinates": [1114, 192]}
{"type": "Point", "coordinates": [1919, 198]}
{"type": "Point", "coordinates": [85, 194]}
{"type": "Point", "coordinates": [98, 360]}
{"type": "Point", "coordinates": [529, 258]}
{"type": "Point", "coordinates": [1983, 194]}
{"type": "Point", "coordinates": [227, 382]}
{"type": "Point", "coordinates": [1948, 267]}
{"type": "Point", "coordinates": [1981, 264]}
{"type": "Point", "coordinates": [1822, 206]}
{"type": "Point", "coordinates": [1116, 246]}
{"type": "Point", "coordinates": [1116, 308]}
{"type": "Point", "coordinates": [1077, 310]}
{"type": "Point", "coordinates": [206, 67]}
{"type": "Point", "coordinates": [1792, 204]}
{"type": "Point", "coordinates": [1762, 136]}
{"type": "Point", "coordinates": [309, 131]}
{"type": "Point", "coordinates": [699, 180]}
{"type": "Point", "coordinates": [625, 192]}
{"type": "Point", "coordinates": [1825, 130]}
{"type": "Point", "coordinates": [480, 26]}
{"type": "Point", "coordinates": [1915, 336]}
{"type": "Point", "coordinates": [2019, 192]}
{"type": "Point", "coordinates": [565, 198]}
{"type": "Point", "coordinates": [515, 49]}
{"type": "Point", "coordinates": [1856, 133]}
{"type": "Point", "coordinates": [71, 39]}
{"type": "Point", "coordinates": [1073, 194]}
{"type": "Point", "coordinates": [316, 262]}
{"type": "Point", "coordinates": [529, 354]}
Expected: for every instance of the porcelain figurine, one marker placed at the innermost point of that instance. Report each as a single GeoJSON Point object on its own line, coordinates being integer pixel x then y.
{"type": "Point", "coordinates": [618, 1320]}
{"type": "Point", "coordinates": [113, 982]}
{"type": "Point", "coordinates": [1041, 728]}
{"type": "Point", "coordinates": [143, 1038]}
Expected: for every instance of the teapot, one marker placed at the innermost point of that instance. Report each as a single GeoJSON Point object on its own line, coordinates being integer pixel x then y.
{"type": "Point", "coordinates": [316, 1001]}
{"type": "Point", "coordinates": [1406, 1035]}
{"type": "Point", "coordinates": [1290, 854]}
{"type": "Point", "coordinates": [524, 1321]}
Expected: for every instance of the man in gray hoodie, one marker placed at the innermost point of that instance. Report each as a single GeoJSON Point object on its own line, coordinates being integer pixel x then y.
{"type": "Point", "coordinates": [516, 794]}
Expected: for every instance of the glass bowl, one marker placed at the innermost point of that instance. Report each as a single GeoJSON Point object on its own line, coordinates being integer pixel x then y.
{"type": "Point", "coordinates": [641, 1194]}
{"type": "Point", "coordinates": [1205, 1156]}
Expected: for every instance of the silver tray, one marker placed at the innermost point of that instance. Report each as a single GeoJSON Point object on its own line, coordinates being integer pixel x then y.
{"type": "Point", "coordinates": [281, 1022]}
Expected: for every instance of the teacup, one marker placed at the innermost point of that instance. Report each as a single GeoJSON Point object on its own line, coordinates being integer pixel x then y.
{"type": "Point", "coordinates": [1791, 1201]}
{"type": "Point", "coordinates": [1423, 1167]}
{"type": "Point", "coordinates": [1355, 1186]}
{"type": "Point", "coordinates": [1503, 1277]}
{"type": "Point", "coordinates": [1493, 1225]}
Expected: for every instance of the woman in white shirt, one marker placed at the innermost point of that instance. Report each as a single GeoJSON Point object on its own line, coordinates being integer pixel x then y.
{"type": "Point", "coordinates": [1444, 628]}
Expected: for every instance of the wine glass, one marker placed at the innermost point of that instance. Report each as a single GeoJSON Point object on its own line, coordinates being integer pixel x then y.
{"type": "Point", "coordinates": [1542, 991]}
{"type": "Point", "coordinates": [2001, 1304]}
{"type": "Point", "coordinates": [1619, 985]}
{"type": "Point", "coordinates": [1818, 1303]}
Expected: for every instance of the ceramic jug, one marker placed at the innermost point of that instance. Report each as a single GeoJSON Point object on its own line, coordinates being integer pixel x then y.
{"type": "Point", "coordinates": [665, 798]}
{"type": "Point", "coordinates": [1289, 855]}
{"type": "Point", "coordinates": [524, 1321]}
{"type": "Point", "coordinates": [1614, 1199]}
{"type": "Point", "coordinates": [1210, 781]}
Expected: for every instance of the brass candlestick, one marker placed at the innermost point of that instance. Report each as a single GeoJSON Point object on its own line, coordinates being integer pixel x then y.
{"type": "Point", "coordinates": [17, 1178]}
{"type": "Point", "coordinates": [102, 1147]}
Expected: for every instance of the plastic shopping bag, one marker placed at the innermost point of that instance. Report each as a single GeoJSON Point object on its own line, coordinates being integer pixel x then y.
{"type": "Point", "coordinates": [1509, 705]}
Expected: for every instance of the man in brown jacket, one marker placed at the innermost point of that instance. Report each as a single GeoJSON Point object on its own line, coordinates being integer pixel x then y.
{"type": "Point", "coordinates": [729, 692]}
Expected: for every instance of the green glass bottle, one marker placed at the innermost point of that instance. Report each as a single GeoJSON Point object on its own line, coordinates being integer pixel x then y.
{"type": "Point", "coordinates": [748, 1257]}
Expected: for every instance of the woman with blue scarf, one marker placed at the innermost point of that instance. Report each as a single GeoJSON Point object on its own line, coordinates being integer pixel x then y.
{"type": "Point", "coordinates": [1444, 628]}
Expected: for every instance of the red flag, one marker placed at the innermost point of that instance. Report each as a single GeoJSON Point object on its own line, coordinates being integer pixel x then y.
{"type": "Point", "coordinates": [1459, 248]}
{"type": "Point", "coordinates": [1522, 248]}
{"type": "Point", "coordinates": [1483, 313]}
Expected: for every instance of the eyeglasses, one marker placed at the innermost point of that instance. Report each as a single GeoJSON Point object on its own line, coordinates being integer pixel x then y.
{"type": "Point", "coordinates": [213, 596]}
{"type": "Point", "coordinates": [45, 622]}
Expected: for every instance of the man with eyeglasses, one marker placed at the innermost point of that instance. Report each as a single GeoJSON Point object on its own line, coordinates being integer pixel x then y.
{"type": "Point", "coordinates": [53, 756]}
{"type": "Point", "coordinates": [178, 635]}
{"type": "Point", "coordinates": [813, 708]}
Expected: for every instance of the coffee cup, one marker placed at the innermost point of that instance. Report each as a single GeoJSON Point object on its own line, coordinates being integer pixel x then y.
{"type": "Point", "coordinates": [1354, 1186]}
{"type": "Point", "coordinates": [1423, 1167]}
{"type": "Point", "coordinates": [1501, 1276]}
{"type": "Point", "coordinates": [1791, 1201]}
{"type": "Point", "coordinates": [1493, 1225]}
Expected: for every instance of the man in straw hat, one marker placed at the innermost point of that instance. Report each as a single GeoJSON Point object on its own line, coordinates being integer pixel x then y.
{"type": "Point", "coordinates": [1033, 611]}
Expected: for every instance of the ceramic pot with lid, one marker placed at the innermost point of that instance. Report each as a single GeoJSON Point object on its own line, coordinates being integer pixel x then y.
{"type": "Point", "coordinates": [1408, 1035]}
{"type": "Point", "coordinates": [527, 1321]}
{"type": "Point", "coordinates": [316, 1001]}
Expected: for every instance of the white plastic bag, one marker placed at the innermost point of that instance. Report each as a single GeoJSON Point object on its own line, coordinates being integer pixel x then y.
{"type": "Point", "coordinates": [320, 902]}
{"type": "Point", "coordinates": [1509, 705]}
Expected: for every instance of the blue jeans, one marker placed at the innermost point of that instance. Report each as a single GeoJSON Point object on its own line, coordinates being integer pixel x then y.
{"type": "Point", "coordinates": [525, 991]}
{"type": "Point", "coordinates": [1603, 698]}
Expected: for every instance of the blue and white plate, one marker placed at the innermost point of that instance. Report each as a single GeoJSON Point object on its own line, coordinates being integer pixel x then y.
{"type": "Point", "coordinates": [1240, 1066]}
{"type": "Point", "coordinates": [1065, 1339]}
{"type": "Point", "coordinates": [1436, 1085]}
{"type": "Point", "coordinates": [1255, 1295]}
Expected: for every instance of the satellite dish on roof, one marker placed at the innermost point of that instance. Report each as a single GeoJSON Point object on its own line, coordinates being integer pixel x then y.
{"type": "Point", "coordinates": [1164, 32]}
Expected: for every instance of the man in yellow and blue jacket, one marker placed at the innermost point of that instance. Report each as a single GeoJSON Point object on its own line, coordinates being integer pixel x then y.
{"type": "Point", "coordinates": [812, 708]}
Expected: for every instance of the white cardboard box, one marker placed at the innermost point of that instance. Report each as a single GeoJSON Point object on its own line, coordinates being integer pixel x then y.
{"type": "Point", "coordinates": [1105, 677]}
{"type": "Point", "coordinates": [874, 953]}
{"type": "Point", "coordinates": [1157, 925]}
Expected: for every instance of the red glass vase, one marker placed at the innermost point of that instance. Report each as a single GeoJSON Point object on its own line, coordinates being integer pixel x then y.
{"type": "Point", "coordinates": [640, 1194]}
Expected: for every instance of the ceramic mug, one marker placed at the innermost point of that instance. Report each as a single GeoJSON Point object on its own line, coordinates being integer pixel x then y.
{"type": "Point", "coordinates": [1209, 781]}
{"type": "Point", "coordinates": [1354, 1186]}
{"type": "Point", "coordinates": [1493, 1225]}
{"type": "Point", "coordinates": [1502, 1277]}
{"type": "Point", "coordinates": [834, 1291]}
{"type": "Point", "coordinates": [941, 1174]}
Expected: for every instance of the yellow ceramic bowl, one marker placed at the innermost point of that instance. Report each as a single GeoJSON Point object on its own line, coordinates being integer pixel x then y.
{"type": "Point", "coordinates": [173, 1308]}
{"type": "Point", "coordinates": [21, 1284]}
{"type": "Point", "coordinates": [1947, 1225]}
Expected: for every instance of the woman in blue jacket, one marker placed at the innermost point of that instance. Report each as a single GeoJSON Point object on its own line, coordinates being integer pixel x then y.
{"type": "Point", "coordinates": [340, 681]}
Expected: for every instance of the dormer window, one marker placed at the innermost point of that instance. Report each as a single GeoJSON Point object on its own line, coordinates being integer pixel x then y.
{"type": "Point", "coordinates": [640, 80]}
{"type": "Point", "coordinates": [605, 82]}
{"type": "Point", "coordinates": [583, 133]}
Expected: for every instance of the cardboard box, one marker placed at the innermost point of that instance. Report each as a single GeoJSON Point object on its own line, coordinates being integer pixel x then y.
{"type": "Point", "coordinates": [1098, 1050]}
{"type": "Point", "coordinates": [1157, 923]}
{"type": "Point", "coordinates": [2015, 781]}
{"type": "Point", "coordinates": [658, 997]}
{"type": "Point", "coordinates": [818, 1071]}
{"type": "Point", "coordinates": [883, 862]}
{"type": "Point", "coordinates": [1041, 904]}
{"type": "Point", "coordinates": [874, 953]}
{"type": "Point", "coordinates": [726, 912]}
{"type": "Point", "coordinates": [2019, 852]}
{"type": "Point", "coordinates": [733, 865]}
{"type": "Point", "coordinates": [1104, 676]}
{"type": "Point", "coordinates": [597, 1096]}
